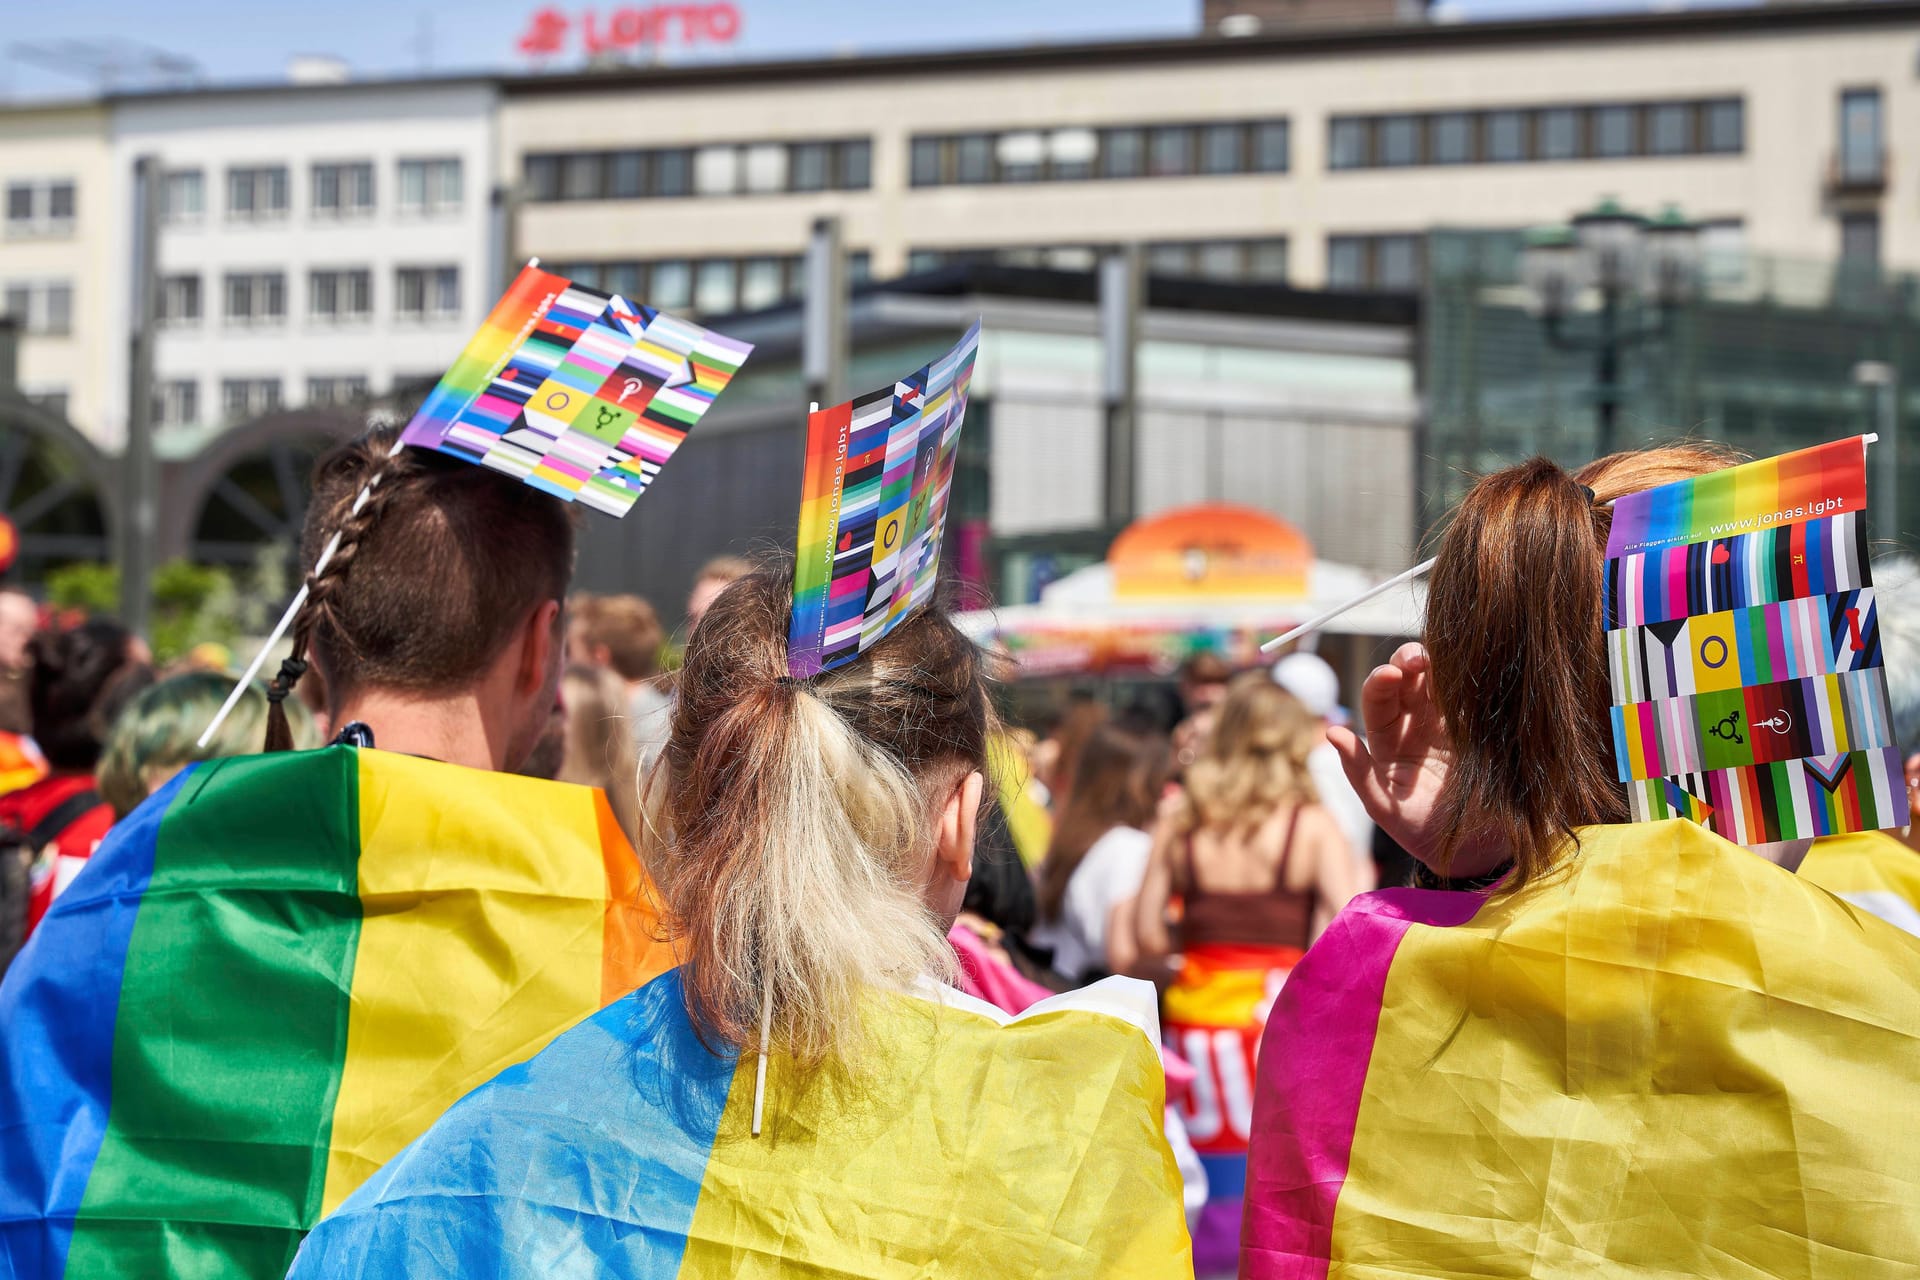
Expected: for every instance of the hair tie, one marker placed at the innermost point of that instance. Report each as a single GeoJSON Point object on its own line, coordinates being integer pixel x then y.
{"type": "Point", "coordinates": [291, 669]}
{"type": "Point", "coordinates": [788, 682]}
{"type": "Point", "coordinates": [1592, 498]}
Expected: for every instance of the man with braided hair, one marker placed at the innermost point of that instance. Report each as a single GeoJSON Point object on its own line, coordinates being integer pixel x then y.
{"type": "Point", "coordinates": [282, 968]}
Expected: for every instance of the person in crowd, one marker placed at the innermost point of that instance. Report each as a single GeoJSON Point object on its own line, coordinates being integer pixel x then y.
{"type": "Point", "coordinates": [78, 679]}
{"type": "Point", "coordinates": [1098, 856]}
{"type": "Point", "coordinates": [1203, 683]}
{"type": "Point", "coordinates": [439, 629]}
{"type": "Point", "coordinates": [811, 840]}
{"type": "Point", "coordinates": [158, 733]}
{"type": "Point", "coordinates": [1309, 678]}
{"type": "Point", "coordinates": [1591, 1046]}
{"type": "Point", "coordinates": [715, 576]}
{"type": "Point", "coordinates": [599, 751]}
{"type": "Point", "coordinates": [1879, 871]}
{"type": "Point", "coordinates": [1259, 868]}
{"type": "Point", "coordinates": [19, 619]}
{"type": "Point", "coordinates": [1059, 755]}
{"type": "Point", "coordinates": [622, 634]}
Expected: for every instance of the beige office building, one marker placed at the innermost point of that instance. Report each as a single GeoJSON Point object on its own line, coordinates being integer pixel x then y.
{"type": "Point", "coordinates": [1308, 154]}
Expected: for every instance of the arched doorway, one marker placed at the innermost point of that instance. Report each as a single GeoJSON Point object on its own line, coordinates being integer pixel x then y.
{"type": "Point", "coordinates": [53, 486]}
{"type": "Point", "coordinates": [247, 490]}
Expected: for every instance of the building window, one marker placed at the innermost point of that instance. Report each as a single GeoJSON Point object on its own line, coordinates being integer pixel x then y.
{"type": "Point", "coordinates": [1615, 132]}
{"type": "Point", "coordinates": [670, 285]}
{"type": "Point", "coordinates": [1123, 153]}
{"type": "Point", "coordinates": [1271, 146]}
{"type": "Point", "coordinates": [923, 162]}
{"type": "Point", "coordinates": [257, 193]}
{"type": "Point", "coordinates": [540, 177]}
{"type": "Point", "coordinates": [1860, 143]}
{"type": "Point", "coordinates": [343, 190]}
{"type": "Point", "coordinates": [1222, 149]}
{"type": "Point", "coordinates": [1399, 141]}
{"type": "Point", "coordinates": [41, 308]}
{"type": "Point", "coordinates": [856, 164]}
{"type": "Point", "coordinates": [762, 283]}
{"type": "Point", "coordinates": [1860, 239]}
{"type": "Point", "coordinates": [1375, 263]}
{"type": "Point", "coordinates": [713, 289]}
{"type": "Point", "coordinates": [1670, 129]}
{"type": "Point", "coordinates": [764, 169]}
{"type": "Point", "coordinates": [256, 297]}
{"type": "Point", "coordinates": [1347, 143]}
{"type": "Point", "coordinates": [427, 293]}
{"type": "Point", "coordinates": [580, 177]}
{"type": "Point", "coordinates": [1450, 139]}
{"type": "Point", "coordinates": [1561, 137]}
{"type": "Point", "coordinates": [1022, 156]}
{"type": "Point", "coordinates": [716, 171]}
{"type": "Point", "coordinates": [430, 186]}
{"type": "Point", "coordinates": [720, 170]}
{"type": "Point", "coordinates": [347, 390]}
{"type": "Point", "coordinates": [1170, 152]}
{"type": "Point", "coordinates": [1506, 137]}
{"type": "Point", "coordinates": [177, 403]}
{"type": "Point", "coordinates": [973, 158]}
{"type": "Point", "coordinates": [811, 168]}
{"type": "Point", "coordinates": [53, 399]}
{"type": "Point", "coordinates": [180, 300]}
{"type": "Point", "coordinates": [1071, 153]}
{"type": "Point", "coordinates": [244, 398]}
{"type": "Point", "coordinates": [673, 173]}
{"type": "Point", "coordinates": [182, 196]}
{"type": "Point", "coordinates": [40, 208]}
{"type": "Point", "coordinates": [340, 295]}
{"type": "Point", "coordinates": [626, 175]}
{"type": "Point", "coordinates": [1725, 127]}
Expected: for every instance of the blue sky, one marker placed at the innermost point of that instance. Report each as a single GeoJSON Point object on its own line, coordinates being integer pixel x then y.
{"type": "Point", "coordinates": [252, 39]}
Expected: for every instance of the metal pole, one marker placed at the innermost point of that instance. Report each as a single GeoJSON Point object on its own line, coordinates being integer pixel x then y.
{"type": "Point", "coordinates": [1607, 372]}
{"type": "Point", "coordinates": [823, 338]}
{"type": "Point", "coordinates": [1890, 451]}
{"type": "Point", "coordinates": [1121, 296]}
{"type": "Point", "coordinates": [139, 473]}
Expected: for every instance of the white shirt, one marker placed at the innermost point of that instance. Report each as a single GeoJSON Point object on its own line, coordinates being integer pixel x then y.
{"type": "Point", "coordinates": [1109, 874]}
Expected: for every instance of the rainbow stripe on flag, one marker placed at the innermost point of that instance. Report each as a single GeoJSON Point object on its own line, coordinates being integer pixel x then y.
{"type": "Point", "coordinates": [273, 976]}
{"type": "Point", "coordinates": [1674, 1059]}
{"type": "Point", "coordinates": [1825, 480]}
{"type": "Point", "coordinates": [579, 393]}
{"type": "Point", "coordinates": [873, 510]}
{"type": "Point", "coordinates": [972, 1143]}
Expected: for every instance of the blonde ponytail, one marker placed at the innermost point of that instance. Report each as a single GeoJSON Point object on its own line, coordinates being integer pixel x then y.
{"type": "Point", "coordinates": [790, 825]}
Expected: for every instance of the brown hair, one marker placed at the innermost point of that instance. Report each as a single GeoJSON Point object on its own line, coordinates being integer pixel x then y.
{"type": "Point", "coordinates": [1254, 761]}
{"type": "Point", "coordinates": [628, 628]}
{"type": "Point", "coordinates": [599, 751]}
{"type": "Point", "coordinates": [1516, 634]}
{"type": "Point", "coordinates": [1117, 784]}
{"type": "Point", "coordinates": [789, 828]}
{"type": "Point", "coordinates": [724, 569]}
{"type": "Point", "coordinates": [455, 557]}
{"type": "Point", "coordinates": [1083, 716]}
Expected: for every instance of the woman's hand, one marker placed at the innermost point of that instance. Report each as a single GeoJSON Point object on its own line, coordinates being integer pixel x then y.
{"type": "Point", "coordinates": [1401, 768]}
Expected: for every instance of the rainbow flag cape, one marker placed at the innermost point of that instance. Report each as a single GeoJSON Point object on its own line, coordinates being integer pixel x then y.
{"type": "Point", "coordinates": [1672, 1058]}
{"type": "Point", "coordinates": [1873, 871]}
{"type": "Point", "coordinates": [873, 510]}
{"type": "Point", "coordinates": [1749, 692]}
{"type": "Point", "coordinates": [971, 1143]}
{"type": "Point", "coordinates": [273, 976]}
{"type": "Point", "coordinates": [581, 394]}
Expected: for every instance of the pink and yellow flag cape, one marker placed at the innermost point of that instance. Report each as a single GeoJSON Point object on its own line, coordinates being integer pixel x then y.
{"type": "Point", "coordinates": [1672, 1059]}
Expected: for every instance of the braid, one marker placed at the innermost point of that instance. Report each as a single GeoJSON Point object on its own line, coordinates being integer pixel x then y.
{"type": "Point", "coordinates": [323, 584]}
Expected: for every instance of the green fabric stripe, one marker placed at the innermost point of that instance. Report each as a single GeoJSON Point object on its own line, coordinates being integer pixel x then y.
{"type": "Point", "coordinates": [232, 1026]}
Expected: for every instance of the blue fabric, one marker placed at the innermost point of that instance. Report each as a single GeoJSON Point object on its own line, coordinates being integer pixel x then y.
{"type": "Point", "coordinates": [585, 1161]}
{"type": "Point", "coordinates": [56, 1042]}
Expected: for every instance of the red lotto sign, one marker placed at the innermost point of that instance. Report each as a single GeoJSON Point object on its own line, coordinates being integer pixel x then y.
{"type": "Point", "coordinates": [550, 31]}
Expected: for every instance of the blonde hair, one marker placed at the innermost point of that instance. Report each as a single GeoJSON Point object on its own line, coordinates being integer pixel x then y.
{"type": "Point", "coordinates": [599, 746]}
{"type": "Point", "coordinates": [1254, 761]}
{"type": "Point", "coordinates": [789, 824]}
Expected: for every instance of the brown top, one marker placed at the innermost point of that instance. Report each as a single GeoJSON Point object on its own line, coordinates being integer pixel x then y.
{"type": "Point", "coordinates": [1271, 917]}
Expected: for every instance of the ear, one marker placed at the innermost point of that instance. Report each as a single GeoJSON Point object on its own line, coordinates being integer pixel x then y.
{"type": "Point", "coordinates": [539, 639]}
{"type": "Point", "coordinates": [958, 818]}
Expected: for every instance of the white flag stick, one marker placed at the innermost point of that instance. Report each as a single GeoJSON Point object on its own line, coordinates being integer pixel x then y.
{"type": "Point", "coordinates": [1314, 624]}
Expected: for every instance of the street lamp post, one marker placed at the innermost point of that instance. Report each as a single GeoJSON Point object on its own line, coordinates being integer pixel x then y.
{"type": "Point", "coordinates": [1623, 257]}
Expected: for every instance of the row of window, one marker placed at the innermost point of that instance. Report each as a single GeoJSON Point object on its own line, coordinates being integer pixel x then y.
{"type": "Point", "coordinates": [40, 207]}
{"type": "Point", "coordinates": [1073, 154]}
{"type": "Point", "coordinates": [177, 400]}
{"type": "Point", "coordinates": [341, 189]}
{"type": "Point", "coordinates": [707, 286]}
{"type": "Point", "coordinates": [768, 168]}
{"type": "Point", "coordinates": [1263, 259]}
{"type": "Point", "coordinates": [336, 294]}
{"type": "Point", "coordinates": [39, 306]}
{"type": "Point", "coordinates": [1519, 135]}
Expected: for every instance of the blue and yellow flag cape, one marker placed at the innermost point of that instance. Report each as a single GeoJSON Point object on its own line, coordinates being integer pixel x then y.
{"type": "Point", "coordinates": [967, 1143]}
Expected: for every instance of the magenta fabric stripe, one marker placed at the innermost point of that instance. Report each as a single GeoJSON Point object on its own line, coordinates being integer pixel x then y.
{"type": "Point", "coordinates": [1303, 1137]}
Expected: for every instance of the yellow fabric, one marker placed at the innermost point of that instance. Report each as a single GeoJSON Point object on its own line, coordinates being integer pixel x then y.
{"type": "Point", "coordinates": [1675, 1060]}
{"type": "Point", "coordinates": [1873, 870]}
{"type": "Point", "coordinates": [1027, 822]}
{"type": "Point", "coordinates": [485, 899]}
{"type": "Point", "coordinates": [958, 1117]}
